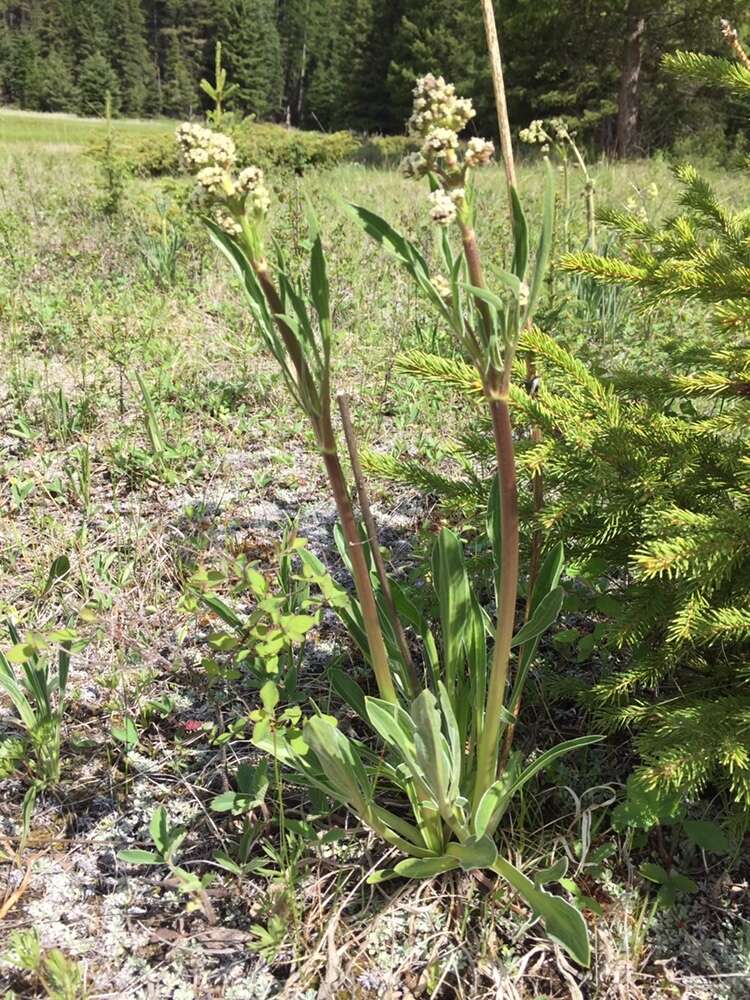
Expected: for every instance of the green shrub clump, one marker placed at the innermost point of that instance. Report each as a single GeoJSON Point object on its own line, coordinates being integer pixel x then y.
{"type": "Point", "coordinates": [261, 143]}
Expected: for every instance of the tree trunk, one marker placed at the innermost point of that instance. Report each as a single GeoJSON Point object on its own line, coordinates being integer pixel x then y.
{"type": "Point", "coordinates": [627, 113]}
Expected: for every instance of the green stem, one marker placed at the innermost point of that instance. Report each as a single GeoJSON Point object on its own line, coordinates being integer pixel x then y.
{"type": "Point", "coordinates": [506, 608]}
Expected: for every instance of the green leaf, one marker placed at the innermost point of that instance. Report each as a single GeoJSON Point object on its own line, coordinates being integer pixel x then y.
{"type": "Point", "coordinates": [555, 873]}
{"type": "Point", "coordinates": [605, 604]}
{"type": "Point", "coordinates": [269, 696]}
{"type": "Point", "coordinates": [319, 281]}
{"type": "Point", "coordinates": [708, 836]}
{"type": "Point", "coordinates": [497, 798]}
{"type": "Point", "coordinates": [137, 857]}
{"type": "Point", "coordinates": [549, 756]}
{"type": "Point", "coordinates": [545, 245]}
{"type": "Point", "coordinates": [474, 852]}
{"type": "Point", "coordinates": [545, 614]}
{"type": "Point", "coordinates": [682, 883]}
{"type": "Point", "coordinates": [546, 582]}
{"type": "Point", "coordinates": [654, 873]}
{"type": "Point", "coordinates": [126, 734]}
{"type": "Point", "coordinates": [223, 611]}
{"type": "Point", "coordinates": [224, 802]}
{"type": "Point", "coordinates": [59, 569]}
{"type": "Point", "coordinates": [562, 922]}
{"type": "Point", "coordinates": [383, 875]}
{"type": "Point", "coordinates": [431, 749]}
{"type": "Point", "coordinates": [159, 829]}
{"type": "Point", "coordinates": [340, 763]}
{"type": "Point", "coordinates": [520, 236]}
{"type": "Point", "coordinates": [645, 807]}
{"type": "Point", "coordinates": [349, 690]}
{"type": "Point", "coordinates": [454, 597]}
{"type": "Point", "coordinates": [426, 867]}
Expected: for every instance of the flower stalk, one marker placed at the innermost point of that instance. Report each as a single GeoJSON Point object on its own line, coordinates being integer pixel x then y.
{"type": "Point", "coordinates": [236, 206]}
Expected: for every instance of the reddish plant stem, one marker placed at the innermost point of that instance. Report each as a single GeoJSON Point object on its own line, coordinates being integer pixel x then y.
{"type": "Point", "coordinates": [496, 389]}
{"type": "Point", "coordinates": [372, 532]}
{"type": "Point", "coordinates": [327, 443]}
{"type": "Point", "coordinates": [378, 653]}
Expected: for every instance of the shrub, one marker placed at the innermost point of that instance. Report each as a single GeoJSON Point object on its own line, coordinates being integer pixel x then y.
{"type": "Point", "coordinates": [385, 150]}
{"type": "Point", "coordinates": [261, 143]}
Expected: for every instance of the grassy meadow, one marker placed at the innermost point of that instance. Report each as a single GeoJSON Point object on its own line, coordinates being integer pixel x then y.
{"type": "Point", "coordinates": [144, 434]}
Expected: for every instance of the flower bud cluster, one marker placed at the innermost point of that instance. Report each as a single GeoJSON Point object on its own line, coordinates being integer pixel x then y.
{"type": "Point", "coordinates": [445, 205]}
{"type": "Point", "coordinates": [437, 118]}
{"type": "Point", "coordinates": [535, 133]}
{"type": "Point", "coordinates": [201, 147]}
{"type": "Point", "coordinates": [230, 198]}
{"type": "Point", "coordinates": [436, 106]}
{"type": "Point", "coordinates": [479, 152]}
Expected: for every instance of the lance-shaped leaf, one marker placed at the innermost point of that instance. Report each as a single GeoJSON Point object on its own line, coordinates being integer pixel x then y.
{"type": "Point", "coordinates": [426, 867]}
{"type": "Point", "coordinates": [12, 688]}
{"type": "Point", "coordinates": [404, 250]}
{"type": "Point", "coordinates": [498, 796]}
{"type": "Point", "coordinates": [562, 921]}
{"type": "Point", "coordinates": [348, 689]}
{"type": "Point", "coordinates": [542, 617]}
{"type": "Point", "coordinates": [520, 236]}
{"type": "Point", "coordinates": [546, 582]}
{"type": "Point", "coordinates": [432, 752]}
{"type": "Point", "coordinates": [340, 763]}
{"type": "Point", "coordinates": [223, 611]}
{"type": "Point", "coordinates": [454, 742]}
{"type": "Point", "coordinates": [454, 596]}
{"type": "Point", "coordinates": [544, 248]}
{"type": "Point", "coordinates": [496, 799]}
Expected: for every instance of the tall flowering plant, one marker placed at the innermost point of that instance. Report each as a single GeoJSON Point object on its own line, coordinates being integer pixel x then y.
{"type": "Point", "coordinates": [441, 727]}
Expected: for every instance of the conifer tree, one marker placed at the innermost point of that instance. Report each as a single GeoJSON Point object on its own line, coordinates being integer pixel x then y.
{"type": "Point", "coordinates": [58, 91]}
{"type": "Point", "coordinates": [252, 51]}
{"type": "Point", "coordinates": [96, 79]}
{"type": "Point", "coordinates": [179, 95]}
{"type": "Point", "coordinates": [129, 55]}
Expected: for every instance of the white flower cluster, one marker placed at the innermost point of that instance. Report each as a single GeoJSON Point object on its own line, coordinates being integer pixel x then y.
{"type": "Point", "coordinates": [200, 147]}
{"type": "Point", "coordinates": [445, 205]}
{"type": "Point", "coordinates": [437, 118]}
{"type": "Point", "coordinates": [478, 152]}
{"type": "Point", "coordinates": [251, 184]}
{"type": "Point", "coordinates": [560, 129]}
{"type": "Point", "coordinates": [230, 198]}
{"type": "Point", "coordinates": [436, 106]}
{"type": "Point", "coordinates": [534, 134]}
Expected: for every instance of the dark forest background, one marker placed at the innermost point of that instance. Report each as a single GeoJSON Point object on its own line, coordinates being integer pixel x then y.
{"type": "Point", "coordinates": [333, 64]}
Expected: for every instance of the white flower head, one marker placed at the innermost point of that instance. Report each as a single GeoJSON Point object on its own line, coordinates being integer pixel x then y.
{"type": "Point", "coordinates": [535, 133]}
{"type": "Point", "coordinates": [443, 210]}
{"type": "Point", "coordinates": [414, 165]}
{"type": "Point", "coordinates": [201, 147]}
{"type": "Point", "coordinates": [479, 152]}
{"type": "Point", "coordinates": [214, 181]}
{"type": "Point", "coordinates": [226, 221]}
{"type": "Point", "coordinates": [436, 106]}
